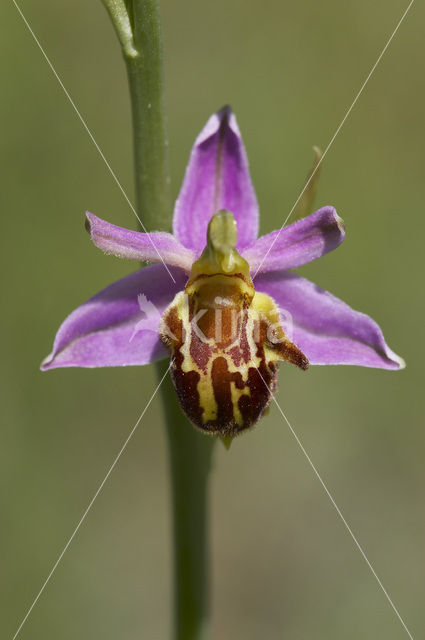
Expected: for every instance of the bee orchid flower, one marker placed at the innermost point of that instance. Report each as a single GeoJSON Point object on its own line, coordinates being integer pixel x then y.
{"type": "Point", "coordinates": [218, 267]}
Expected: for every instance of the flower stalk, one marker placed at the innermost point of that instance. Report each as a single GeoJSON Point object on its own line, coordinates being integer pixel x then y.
{"type": "Point", "coordinates": [138, 27]}
{"type": "Point", "coordinates": [190, 461]}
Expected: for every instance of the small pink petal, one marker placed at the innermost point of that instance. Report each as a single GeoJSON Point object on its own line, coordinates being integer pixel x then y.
{"type": "Point", "coordinates": [156, 246]}
{"type": "Point", "coordinates": [299, 243]}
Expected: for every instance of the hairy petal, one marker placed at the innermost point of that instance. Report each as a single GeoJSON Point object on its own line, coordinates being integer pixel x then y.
{"type": "Point", "coordinates": [217, 177]}
{"type": "Point", "coordinates": [156, 246]}
{"type": "Point", "coordinates": [119, 325]}
{"type": "Point", "coordinates": [298, 243]}
{"type": "Point", "coordinates": [326, 329]}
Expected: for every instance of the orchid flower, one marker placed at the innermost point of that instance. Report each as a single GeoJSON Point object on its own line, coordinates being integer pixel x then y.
{"type": "Point", "coordinates": [216, 262]}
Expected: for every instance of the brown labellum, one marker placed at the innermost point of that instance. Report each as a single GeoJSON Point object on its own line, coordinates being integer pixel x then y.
{"type": "Point", "coordinates": [225, 339]}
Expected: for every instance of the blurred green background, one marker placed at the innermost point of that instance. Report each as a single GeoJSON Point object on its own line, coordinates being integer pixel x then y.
{"type": "Point", "coordinates": [283, 564]}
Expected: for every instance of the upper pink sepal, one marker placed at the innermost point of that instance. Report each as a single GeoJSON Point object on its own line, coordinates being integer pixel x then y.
{"type": "Point", "coordinates": [217, 177]}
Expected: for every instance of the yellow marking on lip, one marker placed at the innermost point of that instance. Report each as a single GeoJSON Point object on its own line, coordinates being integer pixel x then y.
{"type": "Point", "coordinates": [220, 281]}
{"type": "Point", "coordinates": [207, 399]}
{"type": "Point", "coordinates": [205, 387]}
{"type": "Point", "coordinates": [236, 394]}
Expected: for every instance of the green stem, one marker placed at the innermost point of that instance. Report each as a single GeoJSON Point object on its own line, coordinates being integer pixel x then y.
{"type": "Point", "coordinates": [190, 459]}
{"type": "Point", "coordinates": [145, 74]}
{"type": "Point", "coordinates": [138, 28]}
